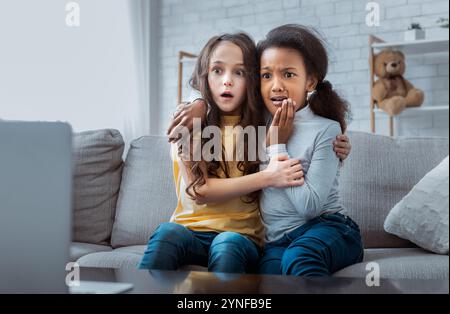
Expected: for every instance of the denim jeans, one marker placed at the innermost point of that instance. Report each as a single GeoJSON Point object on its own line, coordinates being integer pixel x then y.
{"type": "Point", "coordinates": [173, 246]}
{"type": "Point", "coordinates": [320, 247]}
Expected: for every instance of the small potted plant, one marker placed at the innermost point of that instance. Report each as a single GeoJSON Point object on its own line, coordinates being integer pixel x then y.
{"type": "Point", "coordinates": [442, 31]}
{"type": "Point", "coordinates": [443, 22]}
{"type": "Point", "coordinates": [414, 32]}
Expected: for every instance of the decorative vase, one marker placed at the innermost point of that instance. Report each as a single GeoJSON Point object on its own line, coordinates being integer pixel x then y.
{"type": "Point", "coordinates": [414, 34]}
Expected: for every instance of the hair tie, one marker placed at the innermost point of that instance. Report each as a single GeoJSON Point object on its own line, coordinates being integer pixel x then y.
{"type": "Point", "coordinates": [324, 85]}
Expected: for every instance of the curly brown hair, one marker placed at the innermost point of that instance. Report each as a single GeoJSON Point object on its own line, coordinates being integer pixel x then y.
{"type": "Point", "coordinates": [251, 113]}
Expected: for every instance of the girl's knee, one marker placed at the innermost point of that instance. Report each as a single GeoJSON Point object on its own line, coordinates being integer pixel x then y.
{"type": "Point", "coordinates": [169, 230]}
{"type": "Point", "coordinates": [230, 238]}
{"type": "Point", "coordinates": [234, 245]}
{"type": "Point", "coordinates": [304, 261]}
{"type": "Point", "coordinates": [165, 247]}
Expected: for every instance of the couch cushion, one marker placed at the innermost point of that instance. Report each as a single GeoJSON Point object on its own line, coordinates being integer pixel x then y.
{"type": "Point", "coordinates": [147, 193]}
{"type": "Point", "coordinates": [140, 249]}
{"type": "Point", "coordinates": [379, 172]}
{"type": "Point", "coordinates": [78, 249]}
{"type": "Point", "coordinates": [97, 174]}
{"type": "Point", "coordinates": [422, 216]}
{"type": "Point", "coordinates": [124, 257]}
{"type": "Point", "coordinates": [112, 259]}
{"type": "Point", "coordinates": [401, 263]}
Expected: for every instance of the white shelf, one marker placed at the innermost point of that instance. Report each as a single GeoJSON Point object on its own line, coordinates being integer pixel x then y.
{"type": "Point", "coordinates": [416, 47]}
{"type": "Point", "coordinates": [418, 110]}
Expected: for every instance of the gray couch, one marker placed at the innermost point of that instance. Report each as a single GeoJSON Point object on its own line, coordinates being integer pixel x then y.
{"type": "Point", "coordinates": [119, 204]}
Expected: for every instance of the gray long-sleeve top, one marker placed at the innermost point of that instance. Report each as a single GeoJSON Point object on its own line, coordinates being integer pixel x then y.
{"type": "Point", "coordinates": [284, 210]}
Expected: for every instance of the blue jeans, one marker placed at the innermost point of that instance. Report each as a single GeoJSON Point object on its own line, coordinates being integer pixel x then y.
{"type": "Point", "coordinates": [173, 246]}
{"type": "Point", "coordinates": [320, 247]}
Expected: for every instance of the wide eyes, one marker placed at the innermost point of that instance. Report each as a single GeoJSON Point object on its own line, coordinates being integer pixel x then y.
{"type": "Point", "coordinates": [289, 75]}
{"type": "Point", "coordinates": [219, 71]}
{"type": "Point", "coordinates": [268, 76]}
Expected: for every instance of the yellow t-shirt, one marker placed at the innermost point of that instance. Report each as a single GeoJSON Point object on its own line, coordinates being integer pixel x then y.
{"type": "Point", "coordinates": [233, 215]}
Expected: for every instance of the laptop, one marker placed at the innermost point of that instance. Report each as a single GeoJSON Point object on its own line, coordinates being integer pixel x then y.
{"type": "Point", "coordinates": [36, 211]}
{"type": "Point", "coordinates": [35, 206]}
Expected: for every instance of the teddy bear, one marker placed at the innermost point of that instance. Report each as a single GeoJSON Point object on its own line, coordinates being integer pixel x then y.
{"type": "Point", "coordinates": [392, 92]}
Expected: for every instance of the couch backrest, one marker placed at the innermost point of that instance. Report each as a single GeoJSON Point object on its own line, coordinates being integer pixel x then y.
{"type": "Point", "coordinates": [97, 173]}
{"type": "Point", "coordinates": [147, 193]}
{"type": "Point", "coordinates": [379, 172]}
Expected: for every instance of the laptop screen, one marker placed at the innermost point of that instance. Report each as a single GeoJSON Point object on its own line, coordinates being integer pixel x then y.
{"type": "Point", "coordinates": [35, 205]}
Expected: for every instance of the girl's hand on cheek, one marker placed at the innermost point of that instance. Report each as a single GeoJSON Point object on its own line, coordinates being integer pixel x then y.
{"type": "Point", "coordinates": [284, 122]}
{"type": "Point", "coordinates": [284, 172]}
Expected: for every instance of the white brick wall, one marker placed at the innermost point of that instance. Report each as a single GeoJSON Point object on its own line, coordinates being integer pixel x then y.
{"type": "Point", "coordinates": [188, 24]}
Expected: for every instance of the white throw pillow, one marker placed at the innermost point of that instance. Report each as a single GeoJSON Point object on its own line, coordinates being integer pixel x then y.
{"type": "Point", "coordinates": [422, 216]}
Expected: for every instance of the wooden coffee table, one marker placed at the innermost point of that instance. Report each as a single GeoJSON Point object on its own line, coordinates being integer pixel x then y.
{"type": "Point", "coordinates": [192, 282]}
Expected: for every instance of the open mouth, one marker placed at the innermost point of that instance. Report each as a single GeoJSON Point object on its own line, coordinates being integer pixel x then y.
{"type": "Point", "coordinates": [228, 95]}
{"type": "Point", "coordinates": [278, 100]}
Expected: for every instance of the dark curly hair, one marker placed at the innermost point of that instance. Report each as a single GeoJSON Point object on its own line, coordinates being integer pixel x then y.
{"type": "Point", "coordinates": [325, 101]}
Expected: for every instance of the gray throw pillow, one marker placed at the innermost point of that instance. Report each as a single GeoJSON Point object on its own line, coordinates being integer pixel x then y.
{"type": "Point", "coordinates": [422, 215]}
{"type": "Point", "coordinates": [97, 175]}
